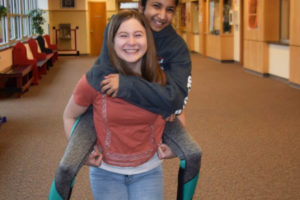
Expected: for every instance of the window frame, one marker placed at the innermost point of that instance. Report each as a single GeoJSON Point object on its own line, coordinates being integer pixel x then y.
{"type": "Point", "coordinates": [17, 25]}
{"type": "Point", "coordinates": [4, 26]}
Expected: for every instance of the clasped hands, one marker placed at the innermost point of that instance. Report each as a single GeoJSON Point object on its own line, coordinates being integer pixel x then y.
{"type": "Point", "coordinates": [95, 157]}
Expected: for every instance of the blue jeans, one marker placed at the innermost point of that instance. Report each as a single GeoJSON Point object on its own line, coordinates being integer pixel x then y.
{"type": "Point", "coordinates": [112, 186]}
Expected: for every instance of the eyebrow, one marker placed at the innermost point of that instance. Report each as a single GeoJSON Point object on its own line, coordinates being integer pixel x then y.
{"type": "Point", "coordinates": [138, 31]}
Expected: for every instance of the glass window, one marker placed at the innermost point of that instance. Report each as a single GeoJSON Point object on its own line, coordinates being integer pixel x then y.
{"type": "Point", "coordinates": [226, 16]}
{"type": "Point", "coordinates": [17, 25]}
{"type": "Point", "coordinates": [25, 26]}
{"type": "Point", "coordinates": [214, 17]}
{"type": "Point", "coordinates": [12, 31]}
{"type": "Point", "coordinates": [129, 5]}
{"type": "Point", "coordinates": [3, 25]}
{"type": "Point", "coordinates": [252, 16]}
{"type": "Point", "coordinates": [284, 21]}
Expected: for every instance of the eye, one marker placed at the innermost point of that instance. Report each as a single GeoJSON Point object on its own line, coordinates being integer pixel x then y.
{"type": "Point", "coordinates": [156, 5]}
{"type": "Point", "coordinates": [170, 10]}
{"type": "Point", "coordinates": [123, 35]}
{"type": "Point", "coordinates": [138, 35]}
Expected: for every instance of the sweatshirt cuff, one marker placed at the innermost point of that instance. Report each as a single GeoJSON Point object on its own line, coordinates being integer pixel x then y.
{"type": "Point", "coordinates": [125, 85]}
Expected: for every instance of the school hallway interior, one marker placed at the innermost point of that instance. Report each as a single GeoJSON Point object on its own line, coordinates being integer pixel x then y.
{"type": "Point", "coordinates": [247, 126]}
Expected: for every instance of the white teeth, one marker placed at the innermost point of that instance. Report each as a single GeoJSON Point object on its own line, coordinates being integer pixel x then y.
{"type": "Point", "coordinates": [158, 23]}
{"type": "Point", "coordinates": [130, 50]}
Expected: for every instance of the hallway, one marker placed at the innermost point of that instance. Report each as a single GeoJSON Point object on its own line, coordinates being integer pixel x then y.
{"type": "Point", "coordinates": [247, 126]}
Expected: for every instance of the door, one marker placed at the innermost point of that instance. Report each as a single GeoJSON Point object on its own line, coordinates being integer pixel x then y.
{"type": "Point", "coordinates": [97, 18]}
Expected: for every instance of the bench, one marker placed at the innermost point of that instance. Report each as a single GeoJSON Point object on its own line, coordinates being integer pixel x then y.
{"type": "Point", "coordinates": [32, 48]}
{"type": "Point", "coordinates": [51, 46]}
{"type": "Point", "coordinates": [16, 79]}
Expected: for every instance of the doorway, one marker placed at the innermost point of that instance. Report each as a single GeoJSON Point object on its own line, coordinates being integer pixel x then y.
{"type": "Point", "coordinates": [97, 18]}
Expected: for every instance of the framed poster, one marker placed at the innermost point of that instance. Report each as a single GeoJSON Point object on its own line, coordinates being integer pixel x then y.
{"type": "Point", "coordinates": [67, 3]}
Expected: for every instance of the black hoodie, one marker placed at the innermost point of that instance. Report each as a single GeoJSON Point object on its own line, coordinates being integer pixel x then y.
{"type": "Point", "coordinates": [174, 58]}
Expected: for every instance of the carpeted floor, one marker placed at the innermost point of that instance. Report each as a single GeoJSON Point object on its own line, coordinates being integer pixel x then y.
{"type": "Point", "coordinates": [248, 128]}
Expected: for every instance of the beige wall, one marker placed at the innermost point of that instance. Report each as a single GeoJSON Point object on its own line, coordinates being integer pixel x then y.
{"type": "Point", "coordinates": [295, 42]}
{"type": "Point", "coordinates": [279, 60]}
{"type": "Point", "coordinates": [6, 59]}
{"type": "Point", "coordinates": [77, 16]}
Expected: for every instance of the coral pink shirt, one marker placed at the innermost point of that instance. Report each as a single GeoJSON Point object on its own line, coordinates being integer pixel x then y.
{"type": "Point", "coordinates": [127, 134]}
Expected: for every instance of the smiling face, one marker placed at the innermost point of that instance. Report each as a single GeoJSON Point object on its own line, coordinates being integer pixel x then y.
{"type": "Point", "coordinates": [159, 13]}
{"type": "Point", "coordinates": [130, 44]}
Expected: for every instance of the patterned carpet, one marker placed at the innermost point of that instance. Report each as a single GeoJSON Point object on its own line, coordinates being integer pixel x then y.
{"type": "Point", "coordinates": [248, 128]}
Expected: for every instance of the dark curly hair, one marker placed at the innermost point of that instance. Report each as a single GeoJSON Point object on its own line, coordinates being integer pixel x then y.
{"type": "Point", "coordinates": [143, 3]}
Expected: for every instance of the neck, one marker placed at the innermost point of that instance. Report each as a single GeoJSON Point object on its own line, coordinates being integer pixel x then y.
{"type": "Point", "coordinates": [136, 66]}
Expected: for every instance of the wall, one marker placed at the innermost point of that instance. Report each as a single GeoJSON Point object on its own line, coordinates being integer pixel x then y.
{"type": "Point", "coordinates": [5, 59]}
{"type": "Point", "coordinates": [237, 30]}
{"type": "Point", "coordinates": [295, 42]}
{"type": "Point", "coordinates": [58, 15]}
{"type": "Point", "coordinates": [77, 16]}
{"type": "Point", "coordinates": [279, 60]}
{"type": "Point", "coordinates": [256, 39]}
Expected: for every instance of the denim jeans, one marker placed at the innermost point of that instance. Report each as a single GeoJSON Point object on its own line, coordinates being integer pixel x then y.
{"type": "Point", "coordinates": [112, 186]}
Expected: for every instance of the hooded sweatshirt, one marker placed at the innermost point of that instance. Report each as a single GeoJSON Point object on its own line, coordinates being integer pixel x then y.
{"type": "Point", "coordinates": [173, 57]}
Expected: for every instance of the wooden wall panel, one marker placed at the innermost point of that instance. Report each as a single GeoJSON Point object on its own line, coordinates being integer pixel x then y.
{"type": "Point", "coordinates": [256, 56]}
{"type": "Point", "coordinates": [202, 44]}
{"type": "Point", "coordinates": [271, 16]}
{"type": "Point", "coordinates": [254, 34]}
{"type": "Point", "coordinates": [295, 22]}
{"type": "Point", "coordinates": [202, 26]}
{"type": "Point", "coordinates": [294, 64]}
{"type": "Point", "coordinates": [190, 41]}
{"type": "Point", "coordinates": [227, 47]}
{"type": "Point", "coordinates": [213, 45]}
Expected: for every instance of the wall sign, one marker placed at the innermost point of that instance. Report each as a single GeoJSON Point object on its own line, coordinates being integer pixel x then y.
{"type": "Point", "coordinates": [68, 3]}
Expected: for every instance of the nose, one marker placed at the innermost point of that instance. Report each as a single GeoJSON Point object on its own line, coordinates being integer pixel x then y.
{"type": "Point", "coordinates": [132, 40]}
{"type": "Point", "coordinates": [162, 14]}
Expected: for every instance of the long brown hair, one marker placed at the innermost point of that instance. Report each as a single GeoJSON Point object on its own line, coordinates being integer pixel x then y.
{"type": "Point", "coordinates": [150, 68]}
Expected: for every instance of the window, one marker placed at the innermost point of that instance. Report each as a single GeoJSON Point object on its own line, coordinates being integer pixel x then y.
{"type": "Point", "coordinates": [252, 16]}
{"type": "Point", "coordinates": [3, 25]}
{"type": "Point", "coordinates": [128, 5]}
{"type": "Point", "coordinates": [226, 16]}
{"type": "Point", "coordinates": [284, 21]}
{"type": "Point", "coordinates": [214, 17]}
{"type": "Point", "coordinates": [17, 25]}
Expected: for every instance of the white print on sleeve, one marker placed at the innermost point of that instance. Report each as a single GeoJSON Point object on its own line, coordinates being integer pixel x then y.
{"type": "Point", "coordinates": [189, 83]}
{"type": "Point", "coordinates": [189, 86]}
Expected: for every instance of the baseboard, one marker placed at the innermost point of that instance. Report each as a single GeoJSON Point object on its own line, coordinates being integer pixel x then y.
{"type": "Point", "coordinates": [256, 73]}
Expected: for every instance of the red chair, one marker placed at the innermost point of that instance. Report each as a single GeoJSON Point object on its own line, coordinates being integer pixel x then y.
{"type": "Point", "coordinates": [23, 57]}
{"type": "Point", "coordinates": [39, 56]}
{"type": "Point", "coordinates": [51, 46]}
